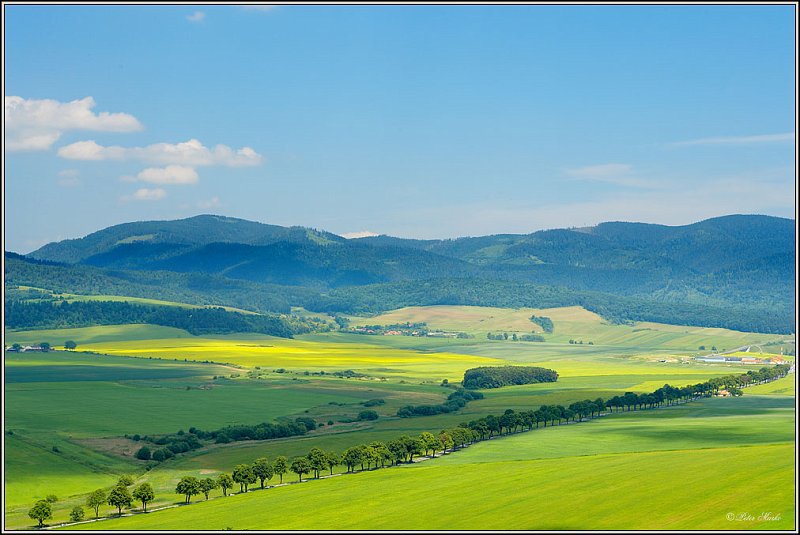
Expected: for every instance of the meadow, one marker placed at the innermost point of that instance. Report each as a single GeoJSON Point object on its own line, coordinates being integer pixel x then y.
{"type": "Point", "coordinates": [144, 379]}
{"type": "Point", "coordinates": [586, 476]}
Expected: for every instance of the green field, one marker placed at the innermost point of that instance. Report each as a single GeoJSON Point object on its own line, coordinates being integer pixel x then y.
{"type": "Point", "coordinates": [602, 465]}
{"type": "Point", "coordinates": [144, 379]}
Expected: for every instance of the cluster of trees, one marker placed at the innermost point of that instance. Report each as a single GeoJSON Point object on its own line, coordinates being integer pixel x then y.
{"type": "Point", "coordinates": [455, 401]}
{"type": "Point", "coordinates": [119, 496]}
{"type": "Point", "coordinates": [514, 337]}
{"type": "Point", "coordinates": [579, 342]}
{"type": "Point", "coordinates": [59, 314]}
{"type": "Point", "coordinates": [544, 322]}
{"type": "Point", "coordinates": [497, 376]}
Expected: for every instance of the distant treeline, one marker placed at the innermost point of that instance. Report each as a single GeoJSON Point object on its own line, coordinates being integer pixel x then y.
{"type": "Point", "coordinates": [54, 315]}
{"type": "Point", "coordinates": [376, 298]}
{"type": "Point", "coordinates": [497, 376]}
{"type": "Point", "coordinates": [205, 289]}
{"type": "Point", "coordinates": [455, 401]}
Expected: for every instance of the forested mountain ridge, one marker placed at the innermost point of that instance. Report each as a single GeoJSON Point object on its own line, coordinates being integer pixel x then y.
{"type": "Point", "coordinates": [740, 266]}
{"type": "Point", "coordinates": [181, 233]}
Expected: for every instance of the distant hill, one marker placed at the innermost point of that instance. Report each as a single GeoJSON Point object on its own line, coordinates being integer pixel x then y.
{"type": "Point", "coordinates": [182, 233]}
{"type": "Point", "coordinates": [742, 264]}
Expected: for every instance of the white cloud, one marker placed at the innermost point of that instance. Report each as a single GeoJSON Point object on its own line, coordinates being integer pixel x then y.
{"type": "Point", "coordinates": [738, 140]}
{"type": "Point", "coordinates": [190, 153]}
{"type": "Point", "coordinates": [601, 170]}
{"type": "Point", "coordinates": [146, 194]}
{"type": "Point", "coordinates": [359, 234]}
{"type": "Point", "coordinates": [213, 202]}
{"type": "Point", "coordinates": [197, 16]}
{"type": "Point", "coordinates": [33, 124]}
{"type": "Point", "coordinates": [29, 140]}
{"type": "Point", "coordinates": [171, 174]}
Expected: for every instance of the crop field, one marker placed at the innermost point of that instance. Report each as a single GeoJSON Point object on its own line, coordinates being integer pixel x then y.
{"type": "Point", "coordinates": [144, 379]}
{"type": "Point", "coordinates": [574, 323]}
{"type": "Point", "coordinates": [591, 464]}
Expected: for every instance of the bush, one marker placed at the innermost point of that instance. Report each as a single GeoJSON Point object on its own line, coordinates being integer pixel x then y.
{"type": "Point", "coordinates": [367, 415]}
{"type": "Point", "coordinates": [143, 453]}
{"type": "Point", "coordinates": [76, 515]}
{"type": "Point", "coordinates": [162, 455]}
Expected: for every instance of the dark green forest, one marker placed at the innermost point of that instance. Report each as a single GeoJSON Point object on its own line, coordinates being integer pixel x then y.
{"type": "Point", "coordinates": [734, 272]}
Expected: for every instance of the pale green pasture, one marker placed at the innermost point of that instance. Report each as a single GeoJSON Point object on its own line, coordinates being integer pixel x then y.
{"type": "Point", "coordinates": [570, 323]}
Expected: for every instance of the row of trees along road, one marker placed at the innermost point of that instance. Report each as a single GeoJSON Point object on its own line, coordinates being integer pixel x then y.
{"type": "Point", "coordinates": [376, 454]}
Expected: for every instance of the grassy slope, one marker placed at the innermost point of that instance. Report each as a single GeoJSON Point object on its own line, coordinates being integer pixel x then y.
{"type": "Point", "coordinates": [653, 459]}
{"type": "Point", "coordinates": [570, 322]}
{"type": "Point", "coordinates": [586, 371]}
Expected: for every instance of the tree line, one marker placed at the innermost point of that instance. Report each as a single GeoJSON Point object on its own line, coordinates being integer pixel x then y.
{"type": "Point", "coordinates": [377, 454]}
{"type": "Point", "coordinates": [203, 289]}
{"type": "Point", "coordinates": [197, 321]}
{"type": "Point", "coordinates": [455, 401]}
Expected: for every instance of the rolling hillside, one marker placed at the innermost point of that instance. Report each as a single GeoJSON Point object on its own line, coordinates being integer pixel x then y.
{"type": "Point", "coordinates": [735, 271]}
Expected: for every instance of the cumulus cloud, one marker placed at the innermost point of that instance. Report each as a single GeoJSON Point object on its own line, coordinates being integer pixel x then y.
{"type": "Point", "coordinates": [197, 16]}
{"type": "Point", "coordinates": [191, 153]}
{"type": "Point", "coordinates": [171, 174]}
{"type": "Point", "coordinates": [35, 124]}
{"type": "Point", "coordinates": [146, 194]}
{"type": "Point", "coordinates": [738, 140]}
{"type": "Point", "coordinates": [359, 234]}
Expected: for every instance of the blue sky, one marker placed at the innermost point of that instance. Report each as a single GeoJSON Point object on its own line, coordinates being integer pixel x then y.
{"type": "Point", "coordinates": [414, 121]}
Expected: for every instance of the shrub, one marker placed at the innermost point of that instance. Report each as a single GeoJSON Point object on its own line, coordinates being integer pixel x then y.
{"type": "Point", "coordinates": [76, 515]}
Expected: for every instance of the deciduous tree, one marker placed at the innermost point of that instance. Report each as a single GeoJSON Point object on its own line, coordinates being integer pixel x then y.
{"type": "Point", "coordinates": [263, 470]}
{"type": "Point", "coordinates": [281, 466]}
{"type": "Point", "coordinates": [188, 486]}
{"type": "Point", "coordinates": [225, 482]}
{"type": "Point", "coordinates": [243, 474]}
{"type": "Point", "coordinates": [144, 493]}
{"type": "Point", "coordinates": [120, 497]}
{"type": "Point", "coordinates": [95, 500]}
{"type": "Point", "coordinates": [41, 511]}
{"type": "Point", "coordinates": [207, 485]}
{"type": "Point", "coordinates": [300, 466]}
